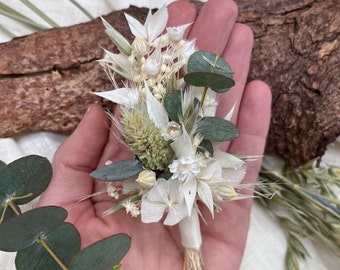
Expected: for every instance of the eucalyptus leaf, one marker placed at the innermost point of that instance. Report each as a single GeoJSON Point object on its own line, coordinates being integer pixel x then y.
{"type": "Point", "coordinates": [216, 82]}
{"type": "Point", "coordinates": [203, 61]}
{"type": "Point", "coordinates": [207, 69]}
{"type": "Point", "coordinates": [22, 231]}
{"type": "Point", "coordinates": [118, 170]}
{"type": "Point", "coordinates": [2, 165]}
{"type": "Point", "coordinates": [173, 105]}
{"type": "Point", "coordinates": [206, 146]}
{"type": "Point", "coordinates": [9, 213]}
{"type": "Point", "coordinates": [217, 129]}
{"type": "Point", "coordinates": [63, 240]}
{"type": "Point", "coordinates": [28, 175]}
{"type": "Point", "coordinates": [102, 255]}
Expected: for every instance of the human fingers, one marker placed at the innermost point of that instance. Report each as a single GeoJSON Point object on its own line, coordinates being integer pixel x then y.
{"type": "Point", "coordinates": [213, 25]}
{"type": "Point", "coordinates": [180, 13]}
{"type": "Point", "coordinates": [237, 54]}
{"type": "Point", "coordinates": [76, 158]}
{"type": "Point", "coordinates": [253, 123]}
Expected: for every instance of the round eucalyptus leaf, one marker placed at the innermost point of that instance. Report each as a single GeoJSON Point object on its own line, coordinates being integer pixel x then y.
{"type": "Point", "coordinates": [202, 61]}
{"type": "Point", "coordinates": [118, 170]}
{"type": "Point", "coordinates": [215, 81]}
{"type": "Point", "coordinates": [217, 129]}
{"type": "Point", "coordinates": [28, 175]}
{"type": "Point", "coordinates": [173, 105]}
{"type": "Point", "coordinates": [63, 240]}
{"type": "Point", "coordinates": [102, 255]}
{"type": "Point", "coordinates": [22, 231]}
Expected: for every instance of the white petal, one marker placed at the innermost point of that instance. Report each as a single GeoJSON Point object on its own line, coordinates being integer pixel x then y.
{"type": "Point", "coordinates": [211, 171]}
{"type": "Point", "coordinates": [205, 194]}
{"type": "Point", "coordinates": [127, 97]}
{"type": "Point", "coordinates": [152, 211]}
{"type": "Point", "coordinates": [182, 146]}
{"type": "Point", "coordinates": [189, 190]}
{"type": "Point", "coordinates": [156, 23]}
{"type": "Point", "coordinates": [230, 113]}
{"type": "Point", "coordinates": [137, 29]}
{"type": "Point", "coordinates": [159, 192]}
{"type": "Point", "coordinates": [176, 213]}
{"type": "Point", "coordinates": [227, 160]}
{"type": "Point", "coordinates": [234, 176]}
{"type": "Point", "coordinates": [176, 33]}
{"type": "Point", "coordinates": [156, 111]}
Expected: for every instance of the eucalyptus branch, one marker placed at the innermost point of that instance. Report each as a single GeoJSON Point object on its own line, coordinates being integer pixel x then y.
{"type": "Point", "coordinates": [51, 252]}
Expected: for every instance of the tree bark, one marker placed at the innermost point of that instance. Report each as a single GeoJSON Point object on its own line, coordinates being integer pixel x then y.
{"type": "Point", "coordinates": [46, 78]}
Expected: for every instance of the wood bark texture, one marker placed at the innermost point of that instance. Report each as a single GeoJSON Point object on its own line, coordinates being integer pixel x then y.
{"type": "Point", "coordinates": [46, 78]}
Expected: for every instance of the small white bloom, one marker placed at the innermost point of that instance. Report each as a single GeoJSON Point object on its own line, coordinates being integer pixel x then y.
{"type": "Point", "coordinates": [112, 191]}
{"type": "Point", "coordinates": [152, 67]}
{"type": "Point", "coordinates": [131, 208]}
{"type": "Point", "coordinates": [184, 167]}
{"type": "Point", "coordinates": [173, 130]}
{"type": "Point", "coordinates": [165, 196]}
{"type": "Point", "coordinates": [176, 33]}
{"type": "Point", "coordinates": [153, 26]}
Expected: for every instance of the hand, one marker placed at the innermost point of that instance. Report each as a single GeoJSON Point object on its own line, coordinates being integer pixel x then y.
{"type": "Point", "coordinates": [155, 246]}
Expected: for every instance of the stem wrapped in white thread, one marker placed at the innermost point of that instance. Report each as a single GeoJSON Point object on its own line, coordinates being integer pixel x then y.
{"type": "Point", "coordinates": [191, 240]}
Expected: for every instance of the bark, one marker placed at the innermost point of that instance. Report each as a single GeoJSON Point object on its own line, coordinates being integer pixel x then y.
{"type": "Point", "coordinates": [296, 51]}
{"type": "Point", "coordinates": [46, 78]}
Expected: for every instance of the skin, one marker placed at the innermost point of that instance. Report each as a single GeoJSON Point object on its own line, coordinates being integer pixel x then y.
{"type": "Point", "coordinates": [155, 246]}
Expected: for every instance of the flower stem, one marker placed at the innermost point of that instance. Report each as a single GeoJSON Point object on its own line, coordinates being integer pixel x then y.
{"type": "Point", "coordinates": [192, 240]}
{"type": "Point", "coordinates": [203, 96]}
{"type": "Point", "coordinates": [52, 253]}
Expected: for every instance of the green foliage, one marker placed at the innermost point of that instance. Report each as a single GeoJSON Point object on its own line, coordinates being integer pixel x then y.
{"type": "Point", "coordinates": [173, 105]}
{"type": "Point", "coordinates": [112, 248]}
{"type": "Point", "coordinates": [217, 129]}
{"type": "Point", "coordinates": [206, 69]}
{"type": "Point", "coordinates": [118, 170]}
{"type": "Point", "coordinates": [41, 237]}
{"type": "Point", "coordinates": [63, 240]}
{"type": "Point", "coordinates": [23, 231]}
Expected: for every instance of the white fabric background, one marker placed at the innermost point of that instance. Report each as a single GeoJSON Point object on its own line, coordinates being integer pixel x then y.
{"type": "Point", "coordinates": [266, 244]}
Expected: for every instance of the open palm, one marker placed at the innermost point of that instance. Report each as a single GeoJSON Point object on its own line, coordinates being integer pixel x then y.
{"type": "Point", "coordinates": [155, 246]}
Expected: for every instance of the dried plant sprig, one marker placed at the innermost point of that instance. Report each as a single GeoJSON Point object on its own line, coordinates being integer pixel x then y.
{"type": "Point", "coordinates": [308, 205]}
{"type": "Point", "coordinates": [13, 14]}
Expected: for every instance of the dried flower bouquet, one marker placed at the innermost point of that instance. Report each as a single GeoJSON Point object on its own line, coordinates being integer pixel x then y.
{"type": "Point", "coordinates": [167, 119]}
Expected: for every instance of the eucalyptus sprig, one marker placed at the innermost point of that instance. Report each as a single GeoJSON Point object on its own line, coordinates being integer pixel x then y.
{"type": "Point", "coordinates": [41, 237]}
{"type": "Point", "coordinates": [305, 205]}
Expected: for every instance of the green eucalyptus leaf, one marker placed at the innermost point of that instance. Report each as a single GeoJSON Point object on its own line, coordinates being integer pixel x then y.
{"type": "Point", "coordinates": [202, 61]}
{"type": "Point", "coordinates": [63, 240]}
{"type": "Point", "coordinates": [22, 231]}
{"type": "Point", "coordinates": [28, 175]}
{"type": "Point", "coordinates": [2, 165]}
{"type": "Point", "coordinates": [118, 170]}
{"type": "Point", "coordinates": [207, 69]}
{"type": "Point", "coordinates": [6, 213]}
{"type": "Point", "coordinates": [217, 129]}
{"type": "Point", "coordinates": [216, 82]}
{"type": "Point", "coordinates": [173, 105]}
{"type": "Point", "coordinates": [206, 146]}
{"type": "Point", "coordinates": [102, 255]}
